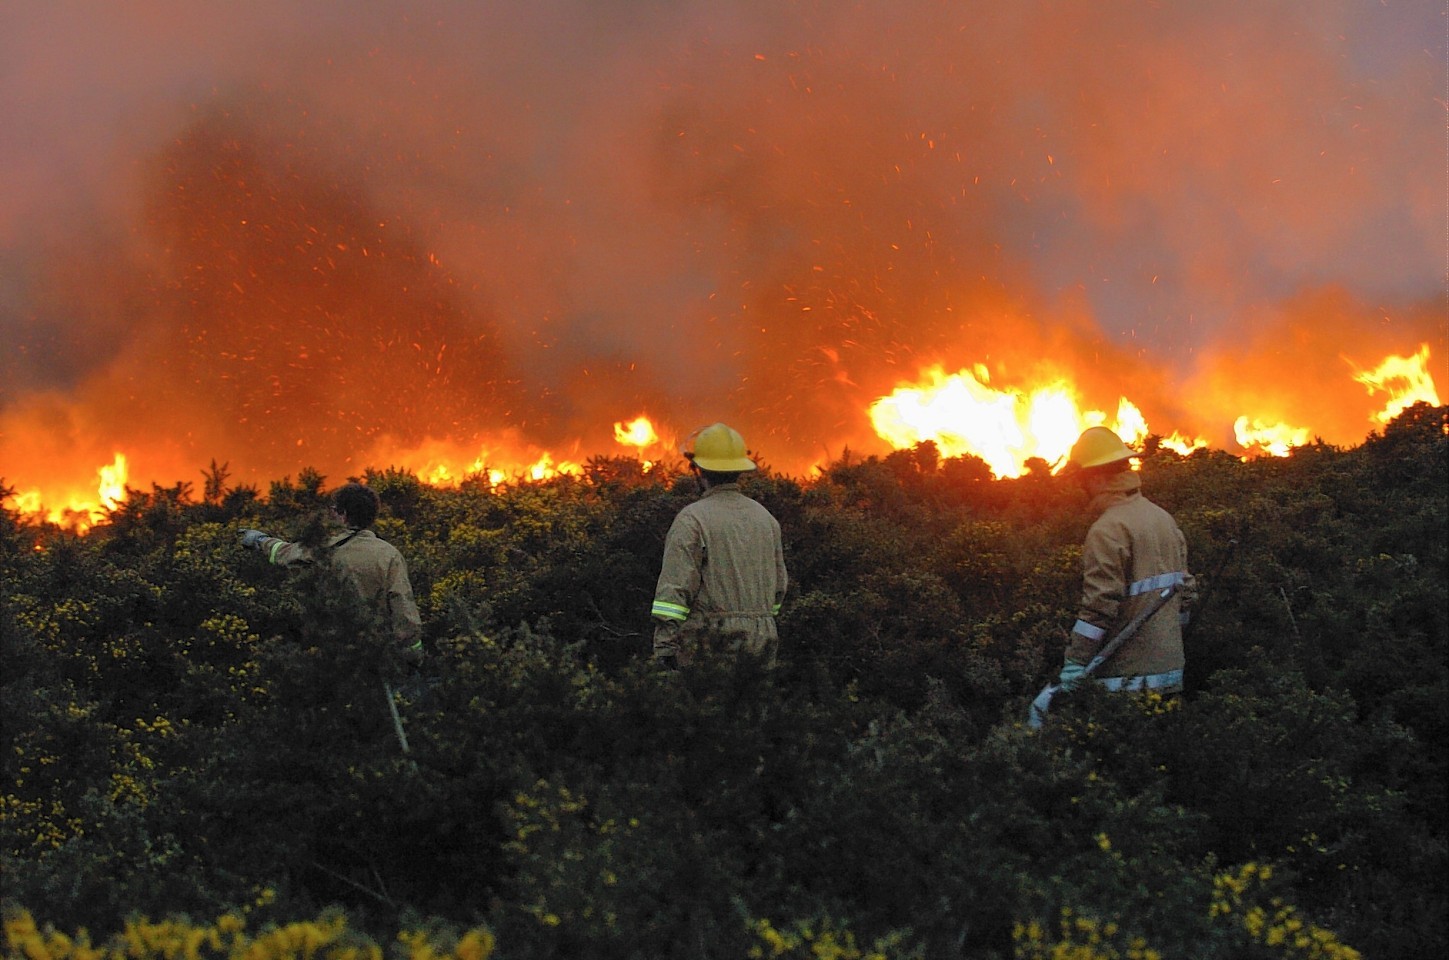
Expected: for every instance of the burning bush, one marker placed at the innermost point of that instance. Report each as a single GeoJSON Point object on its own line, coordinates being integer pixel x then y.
{"type": "Point", "coordinates": [185, 728]}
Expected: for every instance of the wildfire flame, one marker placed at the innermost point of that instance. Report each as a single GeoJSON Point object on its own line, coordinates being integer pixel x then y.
{"type": "Point", "coordinates": [1272, 439]}
{"type": "Point", "coordinates": [76, 508]}
{"type": "Point", "coordinates": [638, 432]}
{"type": "Point", "coordinates": [1182, 445]}
{"type": "Point", "coordinates": [507, 459]}
{"type": "Point", "coordinates": [1405, 379]}
{"type": "Point", "coordinates": [963, 414]}
{"type": "Point", "coordinates": [445, 464]}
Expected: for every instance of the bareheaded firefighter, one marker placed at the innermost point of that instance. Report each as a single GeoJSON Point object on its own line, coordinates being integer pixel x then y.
{"type": "Point", "coordinates": [372, 565]}
{"type": "Point", "coordinates": [1135, 580]}
{"type": "Point", "coordinates": [724, 563]}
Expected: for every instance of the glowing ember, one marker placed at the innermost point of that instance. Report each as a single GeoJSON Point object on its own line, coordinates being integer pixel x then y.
{"type": "Point", "coordinates": [1405, 379]}
{"type": "Point", "coordinates": [1273, 439]}
{"type": "Point", "coordinates": [962, 414]}
{"type": "Point", "coordinates": [638, 432]}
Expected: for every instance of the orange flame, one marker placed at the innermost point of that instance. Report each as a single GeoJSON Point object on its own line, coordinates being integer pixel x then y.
{"type": "Point", "coordinates": [1182, 445]}
{"type": "Point", "coordinates": [545, 468]}
{"type": "Point", "coordinates": [1271, 439]}
{"type": "Point", "coordinates": [962, 414]}
{"type": "Point", "coordinates": [112, 489]}
{"type": "Point", "coordinates": [444, 463]}
{"type": "Point", "coordinates": [1405, 379]}
{"type": "Point", "coordinates": [638, 432]}
{"type": "Point", "coordinates": [74, 508]}
{"type": "Point", "coordinates": [1005, 427]}
{"type": "Point", "coordinates": [504, 459]}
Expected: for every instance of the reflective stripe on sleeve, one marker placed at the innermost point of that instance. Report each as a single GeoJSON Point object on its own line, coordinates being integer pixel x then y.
{"type": "Point", "coordinates": [775, 610]}
{"type": "Point", "coordinates": [1159, 582]}
{"type": "Point", "coordinates": [1087, 630]}
{"type": "Point", "coordinates": [272, 553]}
{"type": "Point", "coordinates": [1151, 681]}
{"type": "Point", "coordinates": [669, 611]}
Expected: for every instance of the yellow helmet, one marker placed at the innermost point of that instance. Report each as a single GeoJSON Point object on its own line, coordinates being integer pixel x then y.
{"type": "Point", "coordinates": [719, 449]}
{"type": "Point", "coordinates": [1097, 447]}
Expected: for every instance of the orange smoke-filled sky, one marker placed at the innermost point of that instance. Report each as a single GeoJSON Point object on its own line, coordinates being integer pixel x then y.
{"type": "Point", "coordinates": [287, 234]}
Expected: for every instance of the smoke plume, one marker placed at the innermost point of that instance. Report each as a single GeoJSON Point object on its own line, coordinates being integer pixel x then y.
{"type": "Point", "coordinates": [308, 234]}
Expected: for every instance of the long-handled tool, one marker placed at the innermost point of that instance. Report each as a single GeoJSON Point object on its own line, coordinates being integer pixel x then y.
{"type": "Point", "coordinates": [1043, 701]}
{"type": "Point", "coordinates": [402, 737]}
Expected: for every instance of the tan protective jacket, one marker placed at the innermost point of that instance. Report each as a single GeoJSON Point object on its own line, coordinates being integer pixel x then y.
{"type": "Point", "coordinates": [1133, 550]}
{"type": "Point", "coordinates": [377, 570]}
{"type": "Point", "coordinates": [724, 568]}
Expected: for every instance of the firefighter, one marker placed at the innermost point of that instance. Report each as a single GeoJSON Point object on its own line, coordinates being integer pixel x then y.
{"type": "Point", "coordinates": [1133, 552]}
{"type": "Point", "coordinates": [724, 564]}
{"type": "Point", "coordinates": [372, 565]}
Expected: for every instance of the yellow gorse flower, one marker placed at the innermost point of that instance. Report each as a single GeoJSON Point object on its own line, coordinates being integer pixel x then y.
{"type": "Point", "coordinates": [1238, 899]}
{"type": "Point", "coordinates": [324, 938]}
{"type": "Point", "coordinates": [1080, 937]}
{"type": "Point", "coordinates": [1274, 924]}
{"type": "Point", "coordinates": [828, 941]}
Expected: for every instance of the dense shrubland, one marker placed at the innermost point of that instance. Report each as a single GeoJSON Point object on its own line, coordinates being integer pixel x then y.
{"type": "Point", "coordinates": [191, 734]}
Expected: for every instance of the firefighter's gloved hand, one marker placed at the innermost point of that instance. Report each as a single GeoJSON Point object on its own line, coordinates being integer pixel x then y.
{"type": "Point", "coordinates": [668, 662]}
{"type": "Point", "coordinates": [413, 656]}
{"type": "Point", "coordinates": [252, 539]}
{"type": "Point", "coordinates": [1071, 675]}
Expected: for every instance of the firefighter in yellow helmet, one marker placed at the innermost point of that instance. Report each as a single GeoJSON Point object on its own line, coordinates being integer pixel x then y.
{"type": "Point", "coordinates": [724, 563]}
{"type": "Point", "coordinates": [1133, 557]}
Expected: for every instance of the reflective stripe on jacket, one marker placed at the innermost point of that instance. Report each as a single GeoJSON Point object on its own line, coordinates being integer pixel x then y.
{"type": "Point", "coordinates": [377, 570]}
{"type": "Point", "coordinates": [1132, 550]}
{"type": "Point", "coordinates": [724, 567]}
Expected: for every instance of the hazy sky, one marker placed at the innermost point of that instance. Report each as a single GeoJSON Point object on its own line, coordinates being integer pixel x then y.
{"type": "Point", "coordinates": [253, 226]}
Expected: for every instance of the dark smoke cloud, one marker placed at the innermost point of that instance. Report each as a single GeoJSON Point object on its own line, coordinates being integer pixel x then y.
{"type": "Point", "coordinates": [283, 233]}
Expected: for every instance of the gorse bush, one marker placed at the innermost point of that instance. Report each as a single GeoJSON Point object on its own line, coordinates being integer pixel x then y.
{"type": "Point", "coordinates": [326, 937]}
{"type": "Point", "coordinates": [189, 732]}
